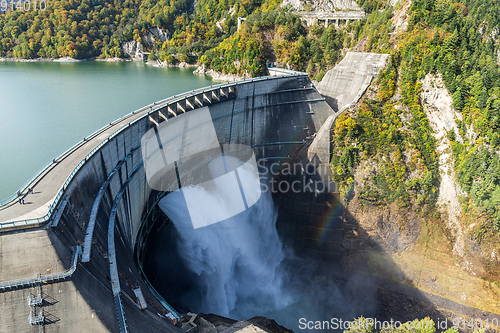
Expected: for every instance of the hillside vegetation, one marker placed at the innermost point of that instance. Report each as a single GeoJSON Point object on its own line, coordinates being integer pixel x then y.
{"type": "Point", "coordinates": [205, 34]}
{"type": "Point", "coordinates": [460, 41]}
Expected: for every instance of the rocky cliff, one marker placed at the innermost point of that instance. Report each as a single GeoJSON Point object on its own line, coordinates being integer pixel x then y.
{"type": "Point", "coordinates": [133, 49]}
{"type": "Point", "coordinates": [437, 103]}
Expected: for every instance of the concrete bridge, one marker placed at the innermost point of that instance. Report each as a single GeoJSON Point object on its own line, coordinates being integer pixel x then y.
{"type": "Point", "coordinates": [74, 249]}
{"type": "Point", "coordinates": [337, 17]}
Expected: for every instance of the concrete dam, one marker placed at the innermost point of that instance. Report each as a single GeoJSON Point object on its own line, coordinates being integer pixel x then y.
{"type": "Point", "coordinates": [94, 250]}
{"type": "Point", "coordinates": [75, 260]}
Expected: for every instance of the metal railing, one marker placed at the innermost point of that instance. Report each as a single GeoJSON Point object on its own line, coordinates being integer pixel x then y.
{"type": "Point", "coordinates": [120, 313]}
{"type": "Point", "coordinates": [54, 277]}
{"type": "Point", "coordinates": [286, 71]}
{"type": "Point", "coordinates": [36, 319]}
{"type": "Point", "coordinates": [34, 300]}
{"type": "Point", "coordinates": [113, 264]}
{"type": "Point", "coordinates": [87, 247]}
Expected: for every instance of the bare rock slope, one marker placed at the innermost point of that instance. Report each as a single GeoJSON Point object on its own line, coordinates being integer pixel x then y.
{"type": "Point", "coordinates": [437, 103]}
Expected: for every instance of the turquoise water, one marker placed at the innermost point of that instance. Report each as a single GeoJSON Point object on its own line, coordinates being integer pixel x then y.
{"type": "Point", "coordinates": [47, 107]}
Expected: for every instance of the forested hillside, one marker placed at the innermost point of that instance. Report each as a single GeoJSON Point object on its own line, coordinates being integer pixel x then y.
{"type": "Point", "coordinates": [460, 41]}
{"type": "Point", "coordinates": [205, 34]}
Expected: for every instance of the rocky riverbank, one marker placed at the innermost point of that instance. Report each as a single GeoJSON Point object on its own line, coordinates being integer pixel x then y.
{"type": "Point", "coordinates": [216, 76]}
{"type": "Point", "coordinates": [63, 59]}
{"type": "Point", "coordinates": [220, 76]}
{"type": "Point", "coordinates": [167, 64]}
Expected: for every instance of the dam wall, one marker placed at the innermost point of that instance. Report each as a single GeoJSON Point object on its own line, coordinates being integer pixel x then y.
{"type": "Point", "coordinates": [347, 82]}
{"type": "Point", "coordinates": [99, 215]}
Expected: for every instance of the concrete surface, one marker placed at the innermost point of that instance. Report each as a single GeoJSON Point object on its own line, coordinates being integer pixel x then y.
{"type": "Point", "coordinates": [334, 17]}
{"type": "Point", "coordinates": [274, 116]}
{"type": "Point", "coordinates": [346, 83]}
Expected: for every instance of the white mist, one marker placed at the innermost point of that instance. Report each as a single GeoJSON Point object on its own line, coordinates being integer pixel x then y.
{"type": "Point", "coordinates": [236, 261]}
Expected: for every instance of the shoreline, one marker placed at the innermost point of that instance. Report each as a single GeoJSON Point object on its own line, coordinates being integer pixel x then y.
{"type": "Point", "coordinates": [216, 76]}
{"type": "Point", "coordinates": [63, 59]}
{"type": "Point", "coordinates": [200, 69]}
{"type": "Point", "coordinates": [114, 59]}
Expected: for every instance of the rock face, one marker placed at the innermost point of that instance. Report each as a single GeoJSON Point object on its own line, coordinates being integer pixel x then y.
{"type": "Point", "coordinates": [344, 85]}
{"type": "Point", "coordinates": [321, 5]}
{"type": "Point", "coordinates": [156, 32]}
{"type": "Point", "coordinates": [219, 76]}
{"type": "Point", "coordinates": [400, 18]}
{"type": "Point", "coordinates": [437, 103]}
{"type": "Point", "coordinates": [133, 49]}
{"type": "Point", "coordinates": [159, 33]}
{"type": "Point", "coordinates": [211, 323]}
{"type": "Point", "coordinates": [389, 228]}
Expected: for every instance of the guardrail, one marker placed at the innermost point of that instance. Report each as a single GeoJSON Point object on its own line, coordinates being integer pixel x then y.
{"type": "Point", "coordinates": [113, 264]}
{"type": "Point", "coordinates": [336, 15]}
{"type": "Point", "coordinates": [120, 314]}
{"type": "Point", "coordinates": [143, 274]}
{"type": "Point", "coordinates": [87, 247]}
{"type": "Point", "coordinates": [152, 108]}
{"type": "Point", "coordinates": [44, 278]}
{"type": "Point", "coordinates": [285, 71]}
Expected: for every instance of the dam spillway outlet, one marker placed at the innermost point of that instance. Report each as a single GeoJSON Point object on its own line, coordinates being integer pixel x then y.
{"type": "Point", "coordinates": [234, 263]}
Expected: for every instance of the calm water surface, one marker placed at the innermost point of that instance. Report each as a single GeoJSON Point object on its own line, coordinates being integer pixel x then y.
{"type": "Point", "coordinates": [45, 108]}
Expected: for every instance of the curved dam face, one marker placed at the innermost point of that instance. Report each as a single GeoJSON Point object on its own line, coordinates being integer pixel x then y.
{"type": "Point", "coordinates": [277, 120]}
{"type": "Point", "coordinates": [108, 211]}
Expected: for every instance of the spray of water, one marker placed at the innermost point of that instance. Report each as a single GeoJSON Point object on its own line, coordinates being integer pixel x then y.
{"type": "Point", "coordinates": [240, 270]}
{"type": "Point", "coordinates": [236, 262]}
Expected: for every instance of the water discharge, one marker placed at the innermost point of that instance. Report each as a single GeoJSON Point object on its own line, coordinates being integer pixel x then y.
{"type": "Point", "coordinates": [238, 268]}
{"type": "Point", "coordinates": [236, 262]}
